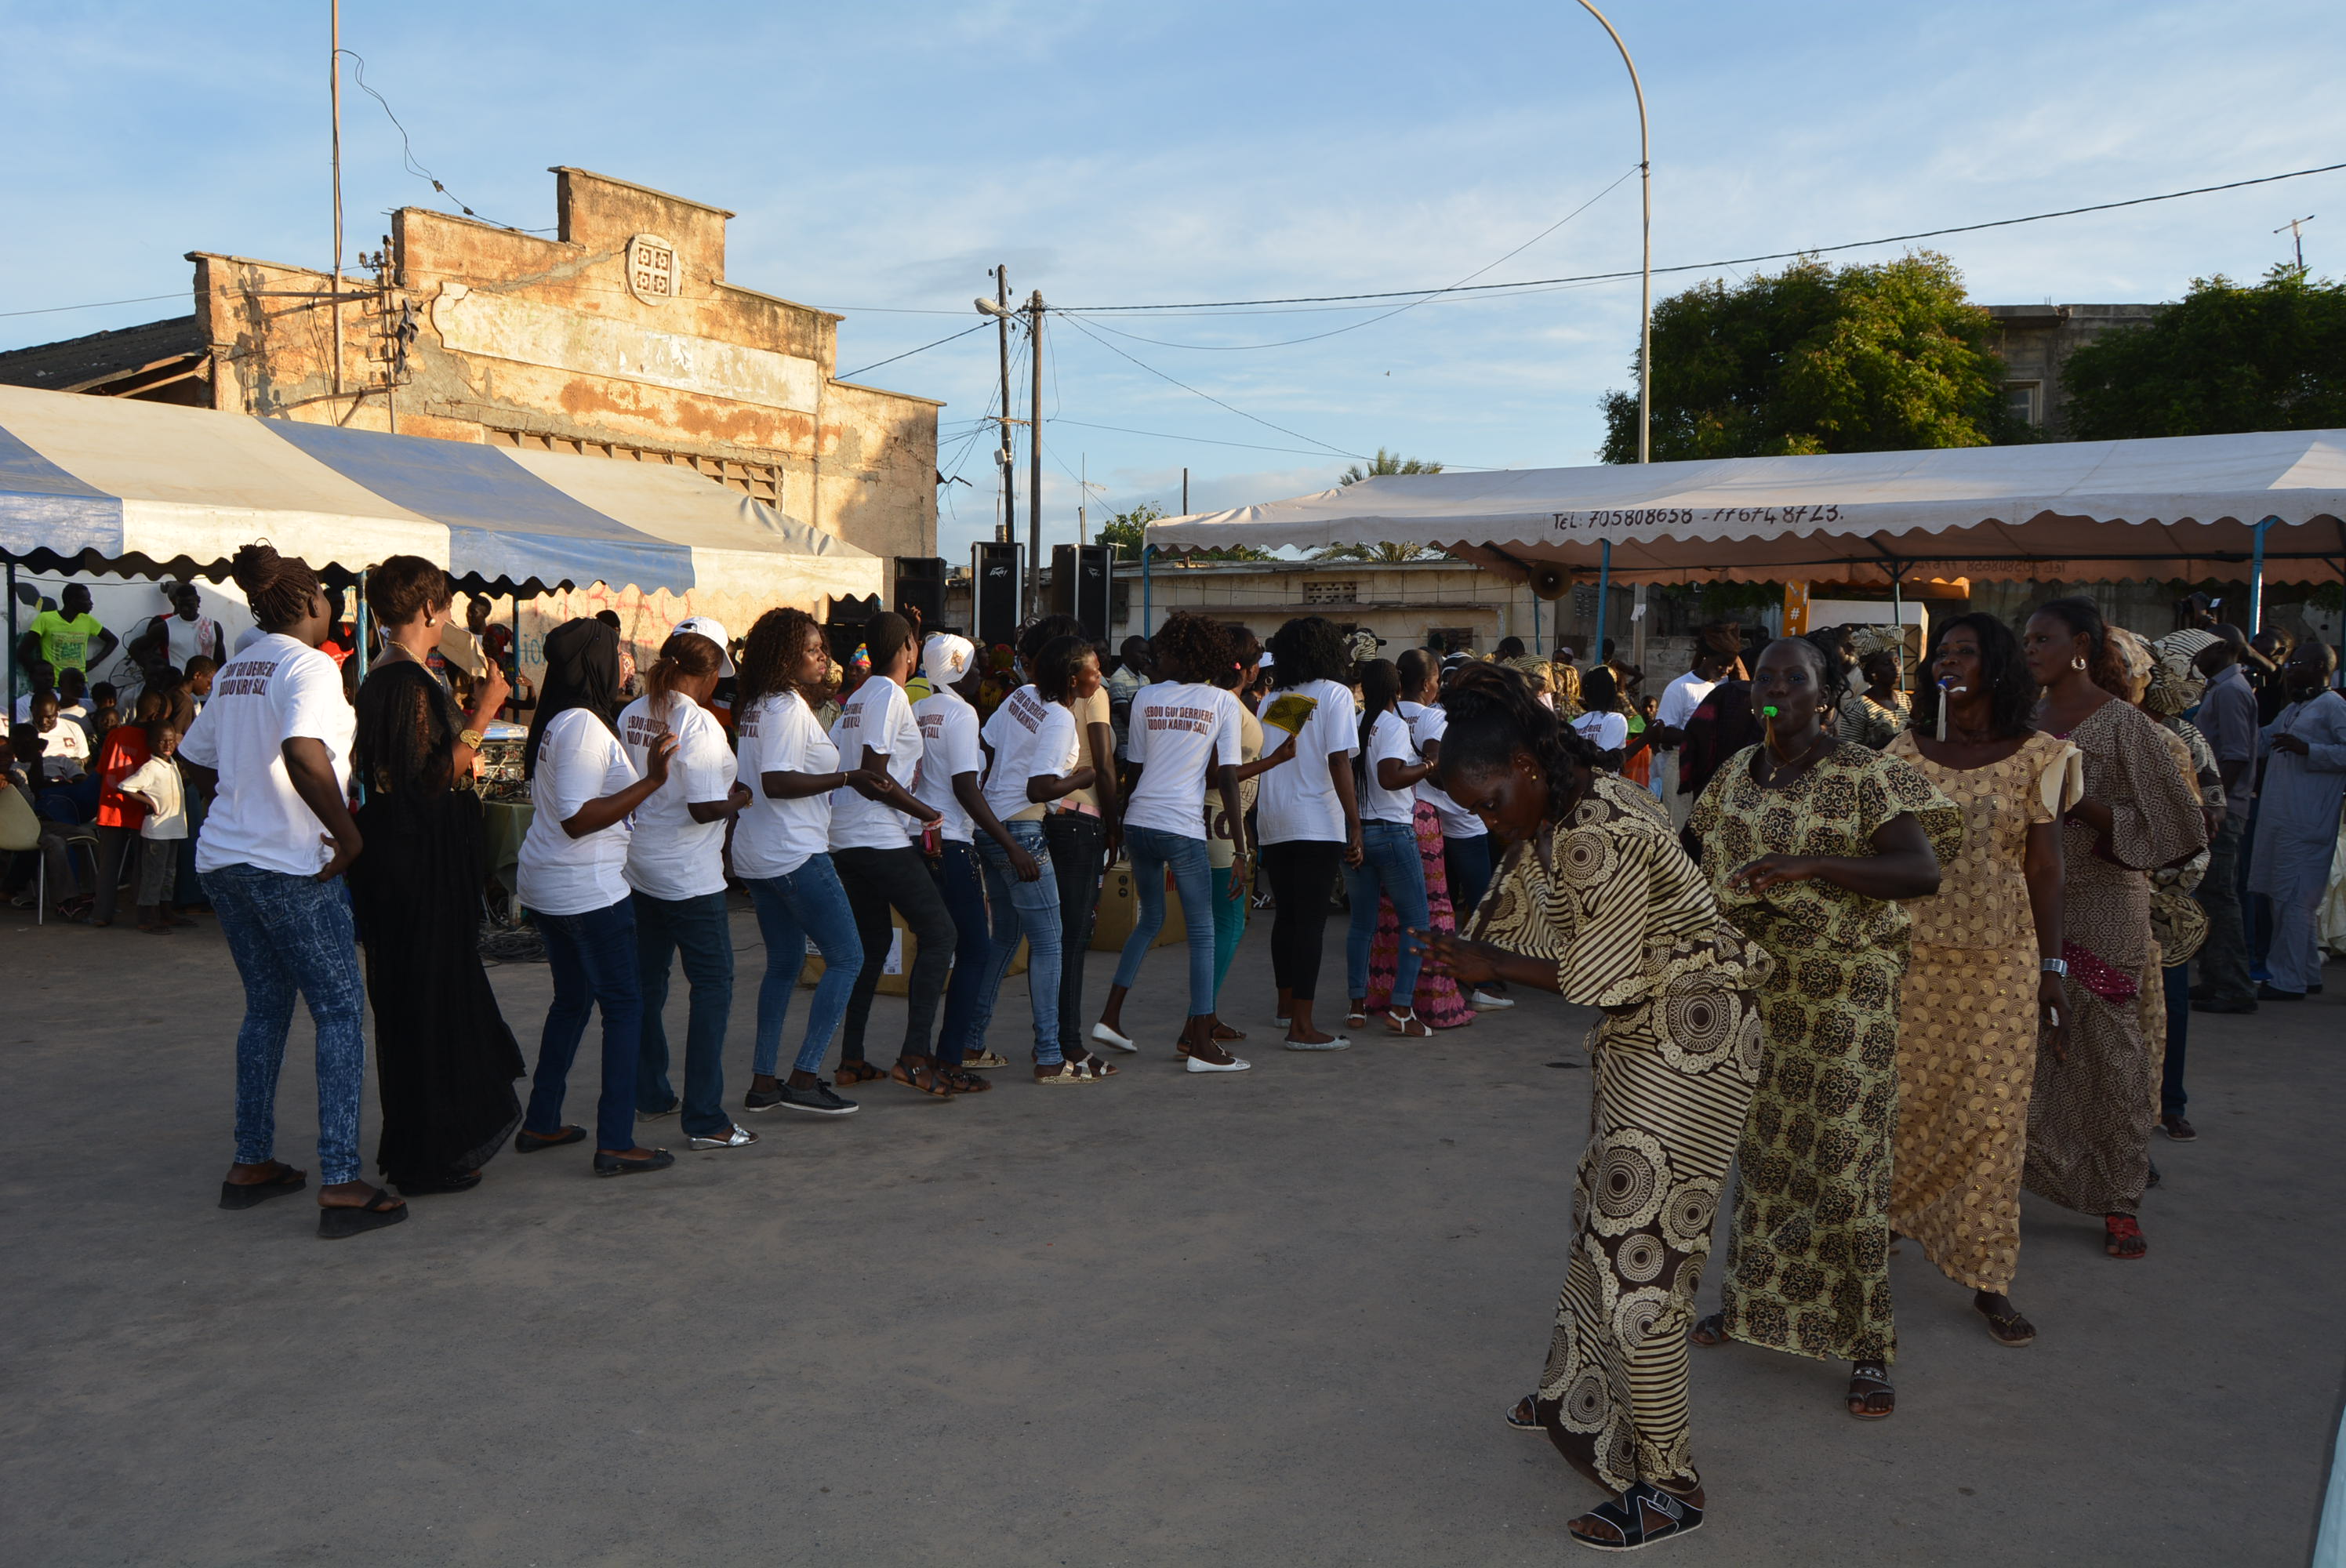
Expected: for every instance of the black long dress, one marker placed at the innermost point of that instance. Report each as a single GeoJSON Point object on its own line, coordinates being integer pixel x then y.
{"type": "Point", "coordinates": [445, 1060]}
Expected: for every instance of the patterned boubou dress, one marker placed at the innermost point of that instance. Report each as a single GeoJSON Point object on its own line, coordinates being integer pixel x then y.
{"type": "Point", "coordinates": [1808, 1256]}
{"type": "Point", "coordinates": [1612, 901]}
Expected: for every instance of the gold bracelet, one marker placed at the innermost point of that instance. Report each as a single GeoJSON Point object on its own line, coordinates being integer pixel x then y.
{"type": "Point", "coordinates": [471, 737]}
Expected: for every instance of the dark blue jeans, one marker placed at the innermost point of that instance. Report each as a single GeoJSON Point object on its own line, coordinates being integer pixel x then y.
{"type": "Point", "coordinates": [808, 905]}
{"type": "Point", "coordinates": [292, 935]}
{"type": "Point", "coordinates": [1389, 864]}
{"type": "Point", "coordinates": [962, 883]}
{"type": "Point", "coordinates": [2224, 956]}
{"type": "Point", "coordinates": [593, 960]}
{"type": "Point", "coordinates": [2171, 1098]}
{"type": "Point", "coordinates": [1466, 864]}
{"type": "Point", "coordinates": [696, 928]}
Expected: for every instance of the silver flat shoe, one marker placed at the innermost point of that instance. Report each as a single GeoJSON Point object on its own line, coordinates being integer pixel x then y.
{"type": "Point", "coordinates": [1338, 1043]}
{"type": "Point", "coordinates": [740, 1137]}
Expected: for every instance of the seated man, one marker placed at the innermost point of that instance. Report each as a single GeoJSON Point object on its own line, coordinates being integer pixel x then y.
{"type": "Point", "coordinates": [24, 750]}
{"type": "Point", "coordinates": [65, 761]}
{"type": "Point", "coordinates": [42, 677]}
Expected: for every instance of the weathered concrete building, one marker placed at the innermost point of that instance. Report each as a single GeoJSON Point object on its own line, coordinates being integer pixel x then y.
{"type": "Point", "coordinates": [618, 336]}
{"type": "Point", "coordinates": [2037, 340]}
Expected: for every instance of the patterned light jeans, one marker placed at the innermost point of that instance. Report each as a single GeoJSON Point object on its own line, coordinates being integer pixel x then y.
{"type": "Point", "coordinates": [295, 935]}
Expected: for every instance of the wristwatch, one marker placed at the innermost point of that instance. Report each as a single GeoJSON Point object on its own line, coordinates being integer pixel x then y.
{"type": "Point", "coordinates": [2059, 966]}
{"type": "Point", "coordinates": [471, 737]}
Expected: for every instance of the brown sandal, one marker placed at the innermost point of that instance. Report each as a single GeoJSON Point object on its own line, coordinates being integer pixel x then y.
{"type": "Point", "coordinates": [927, 1080]}
{"type": "Point", "coordinates": [857, 1072]}
{"type": "Point", "coordinates": [960, 1083]}
{"type": "Point", "coordinates": [1090, 1070]}
{"type": "Point", "coordinates": [1865, 1387]}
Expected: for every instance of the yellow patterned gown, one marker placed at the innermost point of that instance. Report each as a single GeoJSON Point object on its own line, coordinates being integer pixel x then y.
{"type": "Point", "coordinates": [1613, 902]}
{"type": "Point", "coordinates": [1967, 1018]}
{"type": "Point", "coordinates": [1807, 1254]}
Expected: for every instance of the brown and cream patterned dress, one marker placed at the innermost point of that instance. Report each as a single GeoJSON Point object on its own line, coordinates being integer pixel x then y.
{"type": "Point", "coordinates": [1967, 1020]}
{"type": "Point", "coordinates": [2090, 1115]}
{"type": "Point", "coordinates": [1613, 902]}
{"type": "Point", "coordinates": [1808, 1256]}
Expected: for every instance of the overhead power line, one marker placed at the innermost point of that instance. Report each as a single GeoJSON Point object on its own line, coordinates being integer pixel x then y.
{"type": "Point", "coordinates": [1152, 370]}
{"type": "Point", "coordinates": [908, 353]}
{"type": "Point", "coordinates": [1729, 262]}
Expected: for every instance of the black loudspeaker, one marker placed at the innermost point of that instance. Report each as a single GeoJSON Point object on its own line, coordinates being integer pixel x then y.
{"type": "Point", "coordinates": [843, 629]}
{"type": "Point", "coordinates": [921, 585]}
{"type": "Point", "coordinates": [1079, 585]}
{"type": "Point", "coordinates": [993, 592]}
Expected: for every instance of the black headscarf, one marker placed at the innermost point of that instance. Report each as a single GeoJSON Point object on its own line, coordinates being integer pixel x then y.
{"type": "Point", "coordinates": [582, 670]}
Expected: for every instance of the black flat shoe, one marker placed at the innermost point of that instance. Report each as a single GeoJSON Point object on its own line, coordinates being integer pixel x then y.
{"type": "Point", "coordinates": [612, 1164]}
{"type": "Point", "coordinates": [528, 1143]}
{"type": "Point", "coordinates": [459, 1182]}
{"type": "Point", "coordinates": [2267, 993]}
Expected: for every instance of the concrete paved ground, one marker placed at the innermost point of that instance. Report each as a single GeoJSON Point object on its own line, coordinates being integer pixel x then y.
{"type": "Point", "coordinates": [1267, 1319]}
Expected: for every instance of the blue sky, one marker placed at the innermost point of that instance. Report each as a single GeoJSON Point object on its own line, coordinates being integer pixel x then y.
{"type": "Point", "coordinates": [882, 157]}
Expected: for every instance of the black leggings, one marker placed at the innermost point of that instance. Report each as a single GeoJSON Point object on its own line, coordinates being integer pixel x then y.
{"type": "Point", "coordinates": [1302, 874]}
{"type": "Point", "coordinates": [875, 880]}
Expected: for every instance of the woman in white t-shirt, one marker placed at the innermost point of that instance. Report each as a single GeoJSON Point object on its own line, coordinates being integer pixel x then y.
{"type": "Point", "coordinates": [1308, 817]}
{"type": "Point", "coordinates": [1387, 771]}
{"type": "Point", "coordinates": [276, 741]}
{"type": "Point", "coordinates": [1602, 724]}
{"type": "Point", "coordinates": [781, 851]}
{"type": "Point", "coordinates": [1224, 832]}
{"type": "Point", "coordinates": [1034, 748]}
{"type": "Point", "coordinates": [573, 880]}
{"type": "Point", "coordinates": [676, 874]}
{"type": "Point", "coordinates": [1184, 735]}
{"type": "Point", "coordinates": [875, 828]}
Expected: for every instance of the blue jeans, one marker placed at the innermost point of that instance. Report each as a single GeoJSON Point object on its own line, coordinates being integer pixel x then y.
{"type": "Point", "coordinates": [962, 882]}
{"type": "Point", "coordinates": [1033, 908]}
{"type": "Point", "coordinates": [806, 903]}
{"type": "Point", "coordinates": [2171, 1098]}
{"type": "Point", "coordinates": [1152, 852]}
{"type": "Point", "coordinates": [293, 934]}
{"type": "Point", "coordinates": [1229, 927]}
{"type": "Point", "coordinates": [593, 960]}
{"type": "Point", "coordinates": [698, 929]}
{"type": "Point", "coordinates": [1467, 863]}
{"type": "Point", "coordinates": [1389, 864]}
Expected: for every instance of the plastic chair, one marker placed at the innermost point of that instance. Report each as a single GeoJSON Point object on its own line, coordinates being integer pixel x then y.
{"type": "Point", "coordinates": [20, 833]}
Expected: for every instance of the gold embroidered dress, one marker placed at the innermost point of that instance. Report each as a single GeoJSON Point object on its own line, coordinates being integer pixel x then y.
{"type": "Point", "coordinates": [1808, 1256]}
{"type": "Point", "coordinates": [1967, 1020]}
{"type": "Point", "coordinates": [1612, 900]}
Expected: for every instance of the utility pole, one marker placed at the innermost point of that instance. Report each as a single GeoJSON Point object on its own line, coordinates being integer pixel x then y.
{"type": "Point", "coordinates": [1004, 461]}
{"type": "Point", "coordinates": [334, 94]}
{"type": "Point", "coordinates": [1035, 458]}
{"type": "Point", "coordinates": [1185, 493]}
{"type": "Point", "coordinates": [1083, 497]}
{"type": "Point", "coordinates": [2295, 227]}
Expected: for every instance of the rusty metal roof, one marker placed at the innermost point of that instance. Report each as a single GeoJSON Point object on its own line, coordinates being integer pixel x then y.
{"type": "Point", "coordinates": [77, 364]}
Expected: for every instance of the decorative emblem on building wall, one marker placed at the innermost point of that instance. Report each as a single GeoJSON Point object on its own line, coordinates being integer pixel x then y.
{"type": "Point", "coordinates": [651, 269]}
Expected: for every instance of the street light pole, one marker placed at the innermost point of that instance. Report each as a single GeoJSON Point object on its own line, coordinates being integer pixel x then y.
{"type": "Point", "coordinates": [1644, 308]}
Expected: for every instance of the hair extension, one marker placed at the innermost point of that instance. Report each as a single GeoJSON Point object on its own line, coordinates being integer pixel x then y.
{"type": "Point", "coordinates": [1415, 667]}
{"type": "Point", "coordinates": [1054, 667]}
{"type": "Point", "coordinates": [1833, 680]}
{"type": "Point", "coordinates": [280, 588]}
{"type": "Point", "coordinates": [403, 587]}
{"type": "Point", "coordinates": [686, 656]}
{"type": "Point", "coordinates": [1308, 648]}
{"type": "Point", "coordinates": [2084, 618]}
{"type": "Point", "coordinates": [2011, 690]}
{"type": "Point", "coordinates": [1380, 690]}
{"type": "Point", "coordinates": [1494, 714]}
{"type": "Point", "coordinates": [770, 656]}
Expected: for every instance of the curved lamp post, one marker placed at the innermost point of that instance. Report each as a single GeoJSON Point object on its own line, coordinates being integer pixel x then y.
{"type": "Point", "coordinates": [1644, 312]}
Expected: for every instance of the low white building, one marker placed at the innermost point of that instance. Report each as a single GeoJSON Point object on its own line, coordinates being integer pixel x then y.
{"type": "Point", "coordinates": [1407, 602]}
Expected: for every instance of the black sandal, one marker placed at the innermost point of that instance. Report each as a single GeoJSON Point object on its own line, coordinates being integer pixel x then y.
{"type": "Point", "coordinates": [248, 1193]}
{"type": "Point", "coordinates": [1628, 1514]}
{"type": "Point", "coordinates": [2009, 1328]}
{"type": "Point", "coordinates": [1524, 1414]}
{"type": "Point", "coordinates": [857, 1072]}
{"type": "Point", "coordinates": [961, 1082]}
{"type": "Point", "coordinates": [380, 1209]}
{"type": "Point", "coordinates": [1862, 1387]}
{"type": "Point", "coordinates": [1709, 1331]}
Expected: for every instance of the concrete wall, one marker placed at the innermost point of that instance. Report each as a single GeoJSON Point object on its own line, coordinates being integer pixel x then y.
{"type": "Point", "coordinates": [619, 336]}
{"type": "Point", "coordinates": [2037, 340]}
{"type": "Point", "coordinates": [1399, 602]}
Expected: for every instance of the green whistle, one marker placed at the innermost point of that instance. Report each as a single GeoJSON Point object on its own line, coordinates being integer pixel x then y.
{"type": "Point", "coordinates": [1770, 713]}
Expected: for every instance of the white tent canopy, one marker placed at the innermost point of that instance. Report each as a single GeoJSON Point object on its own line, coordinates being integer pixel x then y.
{"type": "Point", "coordinates": [2185, 507]}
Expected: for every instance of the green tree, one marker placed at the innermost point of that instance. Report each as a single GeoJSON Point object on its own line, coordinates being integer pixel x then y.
{"type": "Point", "coordinates": [1870, 358]}
{"type": "Point", "coordinates": [1386, 463]}
{"type": "Point", "coordinates": [1128, 531]}
{"type": "Point", "coordinates": [2225, 358]}
{"type": "Point", "coordinates": [1388, 552]}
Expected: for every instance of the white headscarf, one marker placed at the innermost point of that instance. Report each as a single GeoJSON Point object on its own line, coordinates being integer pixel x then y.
{"type": "Point", "coordinates": [945, 658]}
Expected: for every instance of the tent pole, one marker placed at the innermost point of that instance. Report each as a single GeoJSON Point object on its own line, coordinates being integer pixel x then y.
{"type": "Point", "coordinates": [1604, 586]}
{"type": "Point", "coordinates": [1147, 611]}
{"type": "Point", "coordinates": [359, 624]}
{"type": "Point", "coordinates": [10, 688]}
{"type": "Point", "coordinates": [2256, 578]}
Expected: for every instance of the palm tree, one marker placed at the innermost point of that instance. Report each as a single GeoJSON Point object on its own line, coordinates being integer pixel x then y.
{"type": "Point", "coordinates": [1387, 553]}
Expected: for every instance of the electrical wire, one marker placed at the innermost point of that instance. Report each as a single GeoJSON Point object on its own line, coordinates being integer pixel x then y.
{"type": "Point", "coordinates": [1332, 451]}
{"type": "Point", "coordinates": [908, 353]}
{"type": "Point", "coordinates": [1412, 305]}
{"type": "Point", "coordinates": [1731, 261]}
{"type": "Point", "coordinates": [407, 148]}
{"type": "Point", "coordinates": [98, 304]}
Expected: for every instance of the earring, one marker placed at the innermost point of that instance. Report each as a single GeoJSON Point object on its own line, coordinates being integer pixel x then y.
{"type": "Point", "coordinates": [2076, 664]}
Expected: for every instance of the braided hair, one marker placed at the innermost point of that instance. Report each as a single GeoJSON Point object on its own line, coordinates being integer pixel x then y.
{"type": "Point", "coordinates": [767, 659]}
{"type": "Point", "coordinates": [2084, 618]}
{"type": "Point", "coordinates": [1494, 714]}
{"type": "Point", "coordinates": [1380, 691]}
{"type": "Point", "coordinates": [280, 588]}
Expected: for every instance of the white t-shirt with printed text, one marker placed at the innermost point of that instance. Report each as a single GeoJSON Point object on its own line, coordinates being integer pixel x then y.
{"type": "Point", "coordinates": [579, 760]}
{"type": "Point", "coordinates": [671, 856]}
{"type": "Point", "coordinates": [1031, 739]}
{"type": "Point", "coordinates": [1297, 801]}
{"type": "Point", "coordinates": [1180, 736]}
{"type": "Point", "coordinates": [948, 748]}
{"type": "Point", "coordinates": [772, 837]}
{"type": "Point", "coordinates": [277, 690]}
{"type": "Point", "coordinates": [880, 716]}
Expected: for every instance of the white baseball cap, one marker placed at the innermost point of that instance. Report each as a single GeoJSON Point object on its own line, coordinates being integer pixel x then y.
{"type": "Point", "coordinates": [712, 628]}
{"type": "Point", "coordinates": [945, 657]}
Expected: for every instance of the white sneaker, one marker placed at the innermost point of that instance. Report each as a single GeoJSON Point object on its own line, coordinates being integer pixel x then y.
{"type": "Point", "coordinates": [1233, 1065]}
{"type": "Point", "coordinates": [1108, 1036]}
{"type": "Point", "coordinates": [1484, 1001]}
